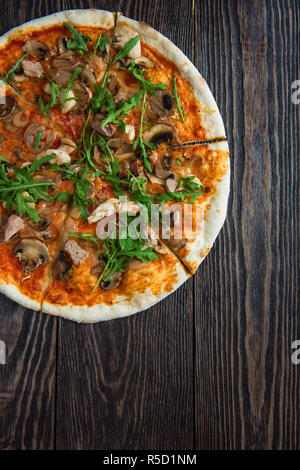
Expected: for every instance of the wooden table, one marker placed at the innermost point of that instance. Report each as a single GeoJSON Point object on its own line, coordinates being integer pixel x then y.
{"type": "Point", "coordinates": [209, 367]}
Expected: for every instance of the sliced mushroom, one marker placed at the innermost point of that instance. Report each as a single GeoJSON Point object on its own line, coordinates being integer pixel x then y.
{"type": "Point", "coordinates": [154, 179]}
{"type": "Point", "coordinates": [30, 136]}
{"type": "Point", "coordinates": [37, 49]}
{"type": "Point", "coordinates": [161, 104]}
{"type": "Point", "coordinates": [88, 78]}
{"type": "Point", "coordinates": [62, 268]}
{"type": "Point", "coordinates": [160, 248]}
{"type": "Point", "coordinates": [113, 282]}
{"type": "Point", "coordinates": [62, 44]}
{"type": "Point", "coordinates": [159, 133]}
{"type": "Point", "coordinates": [13, 226]}
{"type": "Point", "coordinates": [20, 118]}
{"type": "Point", "coordinates": [161, 170]}
{"type": "Point", "coordinates": [171, 183]}
{"type": "Point", "coordinates": [83, 97]}
{"type": "Point", "coordinates": [68, 145]}
{"type": "Point", "coordinates": [31, 254]}
{"type": "Point", "coordinates": [41, 225]}
{"type": "Point", "coordinates": [128, 164]}
{"type": "Point", "coordinates": [123, 34]}
{"type": "Point", "coordinates": [19, 75]}
{"type": "Point", "coordinates": [7, 106]}
{"type": "Point", "coordinates": [145, 62]}
{"type": "Point", "coordinates": [98, 269]}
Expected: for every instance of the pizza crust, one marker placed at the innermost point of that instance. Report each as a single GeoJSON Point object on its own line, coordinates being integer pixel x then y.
{"type": "Point", "coordinates": [14, 293]}
{"type": "Point", "coordinates": [92, 17]}
{"type": "Point", "coordinates": [121, 307]}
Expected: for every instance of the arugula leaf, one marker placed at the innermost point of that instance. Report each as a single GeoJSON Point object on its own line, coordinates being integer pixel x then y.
{"type": "Point", "coordinates": [41, 161]}
{"type": "Point", "coordinates": [188, 189]}
{"type": "Point", "coordinates": [100, 44]}
{"type": "Point", "coordinates": [121, 251]}
{"type": "Point", "coordinates": [38, 139]}
{"type": "Point", "coordinates": [123, 108]}
{"type": "Point", "coordinates": [138, 193]}
{"type": "Point", "coordinates": [79, 40]}
{"type": "Point", "coordinates": [139, 142]}
{"type": "Point", "coordinates": [65, 92]}
{"type": "Point", "coordinates": [14, 68]}
{"type": "Point", "coordinates": [146, 85]}
{"type": "Point", "coordinates": [18, 192]}
{"type": "Point", "coordinates": [44, 107]}
{"type": "Point", "coordinates": [81, 187]}
{"type": "Point", "coordinates": [123, 52]}
{"type": "Point", "coordinates": [85, 236]}
{"type": "Point", "coordinates": [98, 99]}
{"type": "Point", "coordinates": [177, 101]}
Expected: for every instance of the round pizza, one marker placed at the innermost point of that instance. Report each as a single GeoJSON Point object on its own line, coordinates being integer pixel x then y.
{"type": "Point", "coordinates": [114, 166]}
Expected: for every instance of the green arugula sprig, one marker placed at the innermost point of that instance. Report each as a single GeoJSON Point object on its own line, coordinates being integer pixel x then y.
{"type": "Point", "coordinates": [14, 68]}
{"type": "Point", "coordinates": [79, 40]}
{"type": "Point", "coordinates": [52, 102]}
{"type": "Point", "coordinates": [189, 189]}
{"type": "Point", "coordinates": [66, 91]}
{"type": "Point", "coordinates": [123, 52]}
{"type": "Point", "coordinates": [100, 44]}
{"type": "Point", "coordinates": [38, 139]}
{"type": "Point", "coordinates": [99, 97]}
{"type": "Point", "coordinates": [146, 85]}
{"type": "Point", "coordinates": [12, 190]}
{"type": "Point", "coordinates": [139, 142]}
{"type": "Point", "coordinates": [137, 192]}
{"type": "Point", "coordinates": [121, 251]}
{"type": "Point", "coordinates": [81, 187]}
{"type": "Point", "coordinates": [85, 237]}
{"type": "Point", "coordinates": [123, 109]}
{"type": "Point", "coordinates": [178, 104]}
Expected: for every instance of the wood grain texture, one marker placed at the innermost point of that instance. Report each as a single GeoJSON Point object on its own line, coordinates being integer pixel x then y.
{"type": "Point", "coordinates": [210, 366]}
{"type": "Point", "coordinates": [27, 380]}
{"type": "Point", "coordinates": [249, 318]}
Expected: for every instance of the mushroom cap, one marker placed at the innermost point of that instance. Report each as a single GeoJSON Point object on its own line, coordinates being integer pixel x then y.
{"type": "Point", "coordinates": [161, 104]}
{"type": "Point", "coordinates": [83, 97]}
{"type": "Point", "coordinates": [62, 44]}
{"type": "Point", "coordinates": [30, 136]}
{"type": "Point", "coordinates": [37, 49]}
{"type": "Point", "coordinates": [123, 33]}
{"type": "Point", "coordinates": [160, 133]}
{"type": "Point", "coordinates": [31, 253]}
{"type": "Point", "coordinates": [112, 282]}
{"type": "Point", "coordinates": [62, 268]}
{"type": "Point", "coordinates": [7, 106]}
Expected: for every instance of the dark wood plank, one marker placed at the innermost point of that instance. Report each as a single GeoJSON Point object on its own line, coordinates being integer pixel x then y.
{"type": "Point", "coordinates": [128, 384]}
{"type": "Point", "coordinates": [27, 380]}
{"type": "Point", "coordinates": [246, 388]}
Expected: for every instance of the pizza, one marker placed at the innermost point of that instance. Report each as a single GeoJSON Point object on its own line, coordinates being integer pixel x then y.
{"type": "Point", "coordinates": [114, 166]}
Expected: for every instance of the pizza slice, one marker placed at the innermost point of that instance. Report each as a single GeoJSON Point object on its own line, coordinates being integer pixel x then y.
{"type": "Point", "coordinates": [58, 65]}
{"type": "Point", "coordinates": [103, 271]}
{"type": "Point", "coordinates": [34, 206]}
